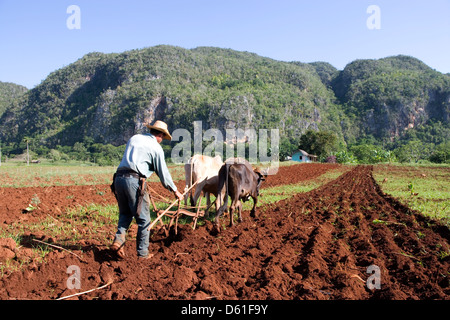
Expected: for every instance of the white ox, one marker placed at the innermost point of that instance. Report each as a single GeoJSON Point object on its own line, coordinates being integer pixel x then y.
{"type": "Point", "coordinates": [205, 170]}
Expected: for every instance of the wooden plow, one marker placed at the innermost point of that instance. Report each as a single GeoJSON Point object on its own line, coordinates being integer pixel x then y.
{"type": "Point", "coordinates": [174, 215]}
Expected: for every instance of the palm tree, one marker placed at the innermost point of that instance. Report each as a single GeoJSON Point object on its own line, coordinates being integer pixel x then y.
{"type": "Point", "coordinates": [27, 140]}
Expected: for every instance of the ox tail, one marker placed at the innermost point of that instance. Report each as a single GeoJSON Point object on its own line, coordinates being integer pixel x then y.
{"type": "Point", "coordinates": [223, 206]}
{"type": "Point", "coordinates": [191, 166]}
{"type": "Point", "coordinates": [191, 178]}
{"type": "Point", "coordinates": [188, 179]}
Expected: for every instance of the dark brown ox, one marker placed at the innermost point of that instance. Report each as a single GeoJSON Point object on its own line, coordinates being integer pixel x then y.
{"type": "Point", "coordinates": [240, 182]}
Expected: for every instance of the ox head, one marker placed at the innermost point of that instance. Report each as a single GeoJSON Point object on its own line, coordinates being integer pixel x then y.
{"type": "Point", "coordinates": [261, 177]}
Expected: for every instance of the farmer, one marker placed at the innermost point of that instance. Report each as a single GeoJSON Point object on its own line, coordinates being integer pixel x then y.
{"type": "Point", "coordinates": [143, 156]}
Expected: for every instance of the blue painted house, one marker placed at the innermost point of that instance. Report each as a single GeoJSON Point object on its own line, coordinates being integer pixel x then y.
{"type": "Point", "coordinates": [303, 156]}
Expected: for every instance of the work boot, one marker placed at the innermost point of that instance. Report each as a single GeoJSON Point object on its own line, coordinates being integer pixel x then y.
{"type": "Point", "coordinates": [146, 257]}
{"type": "Point", "coordinates": [118, 249]}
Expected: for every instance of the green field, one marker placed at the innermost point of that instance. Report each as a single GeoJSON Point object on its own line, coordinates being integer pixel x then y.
{"type": "Point", "coordinates": [423, 188]}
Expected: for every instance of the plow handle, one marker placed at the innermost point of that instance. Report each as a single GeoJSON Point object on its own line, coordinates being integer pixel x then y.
{"type": "Point", "coordinates": [165, 211]}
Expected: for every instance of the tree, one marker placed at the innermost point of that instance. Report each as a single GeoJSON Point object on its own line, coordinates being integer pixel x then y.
{"type": "Point", "coordinates": [363, 152]}
{"type": "Point", "coordinates": [441, 153]}
{"type": "Point", "coordinates": [369, 153]}
{"type": "Point", "coordinates": [54, 155]}
{"type": "Point", "coordinates": [287, 148]}
{"type": "Point", "coordinates": [413, 151]}
{"type": "Point", "coordinates": [344, 156]}
{"type": "Point", "coordinates": [319, 143]}
{"type": "Point", "coordinates": [80, 151]}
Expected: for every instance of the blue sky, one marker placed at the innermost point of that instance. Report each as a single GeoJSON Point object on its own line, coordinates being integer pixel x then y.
{"type": "Point", "coordinates": [35, 40]}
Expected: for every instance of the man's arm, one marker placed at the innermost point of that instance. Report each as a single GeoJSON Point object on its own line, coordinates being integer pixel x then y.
{"type": "Point", "coordinates": [163, 173]}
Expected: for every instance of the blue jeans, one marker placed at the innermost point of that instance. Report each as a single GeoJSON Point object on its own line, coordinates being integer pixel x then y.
{"type": "Point", "coordinates": [127, 189]}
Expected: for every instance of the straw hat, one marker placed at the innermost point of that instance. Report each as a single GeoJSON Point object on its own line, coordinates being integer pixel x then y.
{"type": "Point", "coordinates": [161, 126]}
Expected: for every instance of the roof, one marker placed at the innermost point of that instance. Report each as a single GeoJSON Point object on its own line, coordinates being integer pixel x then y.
{"type": "Point", "coordinates": [303, 152]}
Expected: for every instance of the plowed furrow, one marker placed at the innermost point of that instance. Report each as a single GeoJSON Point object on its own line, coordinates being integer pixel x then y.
{"type": "Point", "coordinates": [350, 226]}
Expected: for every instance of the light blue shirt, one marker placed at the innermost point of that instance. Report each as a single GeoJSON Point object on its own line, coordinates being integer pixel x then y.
{"type": "Point", "coordinates": [143, 154]}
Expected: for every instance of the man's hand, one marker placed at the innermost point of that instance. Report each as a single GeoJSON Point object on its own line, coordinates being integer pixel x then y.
{"type": "Point", "coordinates": [178, 195]}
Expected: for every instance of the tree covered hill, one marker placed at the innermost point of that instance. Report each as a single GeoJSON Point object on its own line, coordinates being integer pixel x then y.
{"type": "Point", "coordinates": [8, 93]}
{"type": "Point", "coordinates": [106, 98]}
{"type": "Point", "coordinates": [389, 96]}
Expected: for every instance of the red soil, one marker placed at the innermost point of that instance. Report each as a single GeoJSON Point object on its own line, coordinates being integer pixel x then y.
{"type": "Point", "coordinates": [315, 245]}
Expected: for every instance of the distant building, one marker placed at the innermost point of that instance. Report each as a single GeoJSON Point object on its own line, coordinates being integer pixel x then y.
{"type": "Point", "coordinates": [303, 156]}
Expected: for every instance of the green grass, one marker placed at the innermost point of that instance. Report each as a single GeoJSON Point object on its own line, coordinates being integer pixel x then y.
{"type": "Point", "coordinates": [423, 188]}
